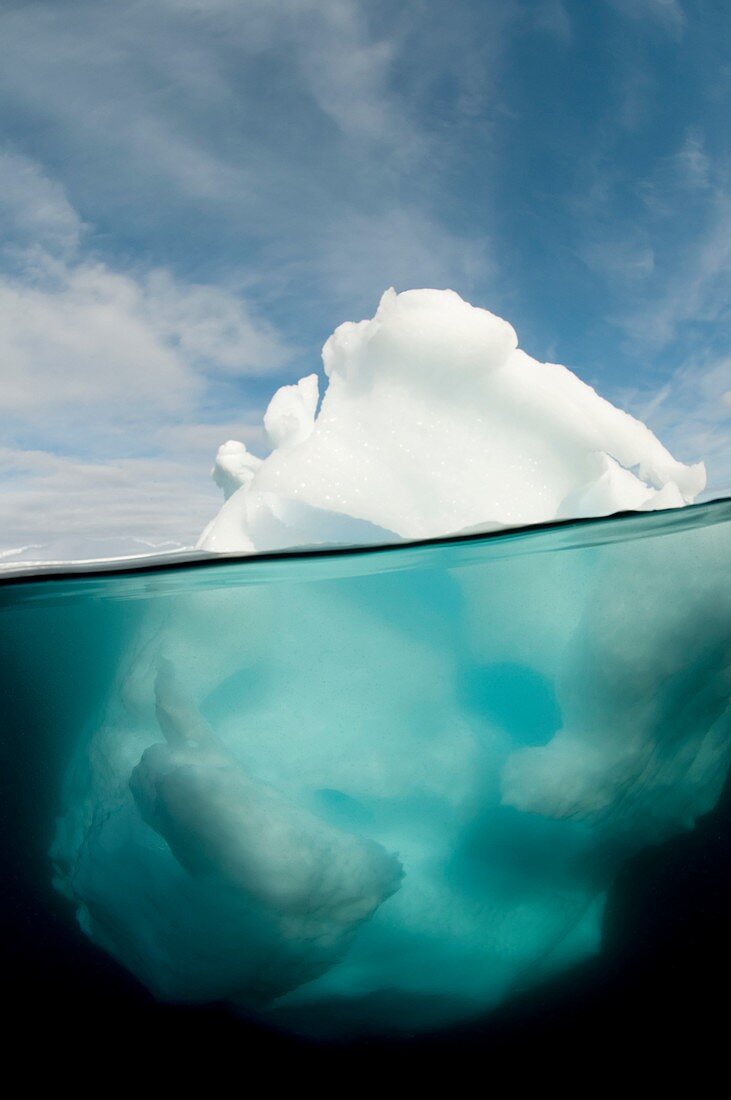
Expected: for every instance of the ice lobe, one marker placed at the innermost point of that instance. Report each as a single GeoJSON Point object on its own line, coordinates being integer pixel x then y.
{"type": "Point", "coordinates": [222, 825]}
{"type": "Point", "coordinates": [235, 466]}
{"type": "Point", "coordinates": [434, 421]}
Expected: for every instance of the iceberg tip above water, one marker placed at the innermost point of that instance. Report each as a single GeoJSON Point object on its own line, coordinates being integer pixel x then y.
{"type": "Point", "coordinates": [433, 422]}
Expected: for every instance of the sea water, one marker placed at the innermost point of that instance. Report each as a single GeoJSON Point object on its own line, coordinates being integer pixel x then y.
{"type": "Point", "coordinates": [369, 790]}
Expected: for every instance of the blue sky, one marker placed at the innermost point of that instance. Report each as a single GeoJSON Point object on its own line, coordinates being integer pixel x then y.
{"type": "Point", "coordinates": [194, 193]}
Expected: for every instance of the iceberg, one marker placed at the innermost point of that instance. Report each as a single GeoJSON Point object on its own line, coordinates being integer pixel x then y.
{"type": "Point", "coordinates": [375, 790]}
{"type": "Point", "coordinates": [379, 784]}
{"type": "Point", "coordinates": [434, 421]}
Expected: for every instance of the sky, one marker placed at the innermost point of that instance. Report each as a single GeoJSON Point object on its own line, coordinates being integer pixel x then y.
{"type": "Point", "coordinates": [195, 193]}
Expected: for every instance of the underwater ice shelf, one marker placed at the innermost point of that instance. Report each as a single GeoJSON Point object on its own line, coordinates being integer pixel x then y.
{"type": "Point", "coordinates": [372, 788]}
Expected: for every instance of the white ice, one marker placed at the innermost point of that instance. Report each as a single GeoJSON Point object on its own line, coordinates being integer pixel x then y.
{"type": "Point", "coordinates": [434, 421]}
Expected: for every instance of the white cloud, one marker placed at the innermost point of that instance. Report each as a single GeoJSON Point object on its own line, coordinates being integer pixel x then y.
{"type": "Point", "coordinates": [34, 208]}
{"type": "Point", "coordinates": [211, 326]}
{"type": "Point", "coordinates": [347, 71]}
{"type": "Point", "coordinates": [72, 507]}
{"type": "Point", "coordinates": [82, 338]}
{"type": "Point", "coordinates": [626, 256]}
{"type": "Point", "coordinates": [551, 17]}
{"type": "Point", "coordinates": [609, 243]}
{"type": "Point", "coordinates": [692, 415]}
{"type": "Point", "coordinates": [695, 288]}
{"type": "Point", "coordinates": [95, 361]}
{"type": "Point", "coordinates": [689, 171]}
{"type": "Point", "coordinates": [282, 120]}
{"type": "Point", "coordinates": [76, 332]}
{"type": "Point", "coordinates": [413, 247]}
{"type": "Point", "coordinates": [668, 13]}
{"type": "Point", "coordinates": [155, 85]}
{"type": "Point", "coordinates": [668, 267]}
{"type": "Point", "coordinates": [692, 164]}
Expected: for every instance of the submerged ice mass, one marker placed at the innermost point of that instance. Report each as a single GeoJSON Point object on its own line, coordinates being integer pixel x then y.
{"type": "Point", "coordinates": [380, 791]}
{"type": "Point", "coordinates": [433, 422]}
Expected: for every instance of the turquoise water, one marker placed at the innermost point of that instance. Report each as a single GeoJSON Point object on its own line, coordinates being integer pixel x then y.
{"type": "Point", "coordinates": [373, 790]}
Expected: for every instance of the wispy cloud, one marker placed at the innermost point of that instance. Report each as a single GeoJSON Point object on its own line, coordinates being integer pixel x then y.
{"type": "Point", "coordinates": [274, 122]}
{"type": "Point", "coordinates": [76, 334]}
{"type": "Point", "coordinates": [62, 506]}
{"type": "Point", "coordinates": [34, 210]}
{"type": "Point", "coordinates": [692, 412]}
{"type": "Point", "coordinates": [688, 189]}
{"type": "Point", "coordinates": [552, 17]}
{"type": "Point", "coordinates": [668, 14]}
{"type": "Point", "coordinates": [95, 362]}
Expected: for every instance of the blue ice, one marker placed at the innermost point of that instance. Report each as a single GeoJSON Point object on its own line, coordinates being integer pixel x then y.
{"type": "Point", "coordinates": [388, 787]}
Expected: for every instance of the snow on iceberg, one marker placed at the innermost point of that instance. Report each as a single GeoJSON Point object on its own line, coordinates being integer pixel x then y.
{"type": "Point", "coordinates": [434, 421]}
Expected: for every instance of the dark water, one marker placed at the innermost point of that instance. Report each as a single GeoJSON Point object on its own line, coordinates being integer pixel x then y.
{"type": "Point", "coordinates": [656, 991]}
